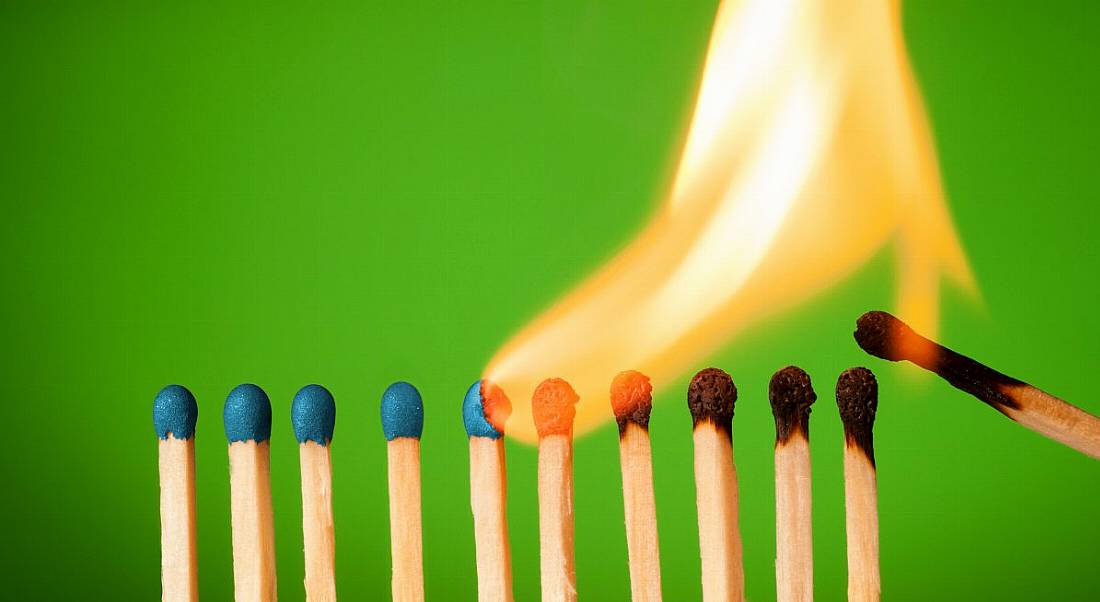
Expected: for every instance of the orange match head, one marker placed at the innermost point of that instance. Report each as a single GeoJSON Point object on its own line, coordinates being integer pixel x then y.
{"type": "Point", "coordinates": [552, 407]}
{"type": "Point", "coordinates": [631, 399]}
{"type": "Point", "coordinates": [496, 405]}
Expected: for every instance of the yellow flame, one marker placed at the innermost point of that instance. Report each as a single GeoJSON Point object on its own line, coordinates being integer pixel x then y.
{"type": "Point", "coordinates": [807, 152]}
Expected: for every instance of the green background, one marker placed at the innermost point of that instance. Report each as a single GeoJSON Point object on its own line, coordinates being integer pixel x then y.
{"type": "Point", "coordinates": [354, 194]}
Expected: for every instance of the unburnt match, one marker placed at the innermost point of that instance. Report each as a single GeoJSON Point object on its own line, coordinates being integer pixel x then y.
{"type": "Point", "coordinates": [247, 417]}
{"type": "Point", "coordinates": [711, 396]}
{"type": "Point", "coordinates": [174, 416]}
{"type": "Point", "coordinates": [857, 400]}
{"type": "Point", "coordinates": [402, 425]}
{"type": "Point", "coordinates": [552, 407]}
{"type": "Point", "coordinates": [485, 409]}
{"type": "Point", "coordinates": [887, 337]}
{"type": "Point", "coordinates": [313, 415]}
{"type": "Point", "coordinates": [791, 396]}
{"type": "Point", "coordinates": [632, 401]}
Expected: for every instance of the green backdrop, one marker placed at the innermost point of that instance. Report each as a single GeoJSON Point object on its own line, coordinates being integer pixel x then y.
{"type": "Point", "coordinates": [353, 194]}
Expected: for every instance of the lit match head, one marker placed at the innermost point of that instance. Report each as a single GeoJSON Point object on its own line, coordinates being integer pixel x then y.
{"type": "Point", "coordinates": [631, 399]}
{"type": "Point", "coordinates": [485, 409]}
{"type": "Point", "coordinates": [711, 396]}
{"type": "Point", "coordinates": [791, 396]}
{"type": "Point", "coordinates": [313, 415]}
{"type": "Point", "coordinates": [247, 414]}
{"type": "Point", "coordinates": [175, 412]}
{"type": "Point", "coordinates": [857, 399]}
{"type": "Point", "coordinates": [402, 412]}
{"type": "Point", "coordinates": [552, 407]}
{"type": "Point", "coordinates": [882, 335]}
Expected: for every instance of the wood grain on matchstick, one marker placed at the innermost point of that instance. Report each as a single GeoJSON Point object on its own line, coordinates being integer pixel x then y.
{"type": "Point", "coordinates": [178, 561]}
{"type": "Point", "coordinates": [253, 527]}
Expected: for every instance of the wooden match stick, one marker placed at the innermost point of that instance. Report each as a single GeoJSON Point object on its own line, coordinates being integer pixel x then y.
{"type": "Point", "coordinates": [485, 409]}
{"type": "Point", "coordinates": [711, 397]}
{"type": "Point", "coordinates": [791, 396]}
{"type": "Point", "coordinates": [402, 424]}
{"type": "Point", "coordinates": [632, 401]}
{"type": "Point", "coordinates": [247, 418]}
{"type": "Point", "coordinates": [887, 337]}
{"type": "Point", "coordinates": [313, 415]}
{"type": "Point", "coordinates": [552, 407]}
{"type": "Point", "coordinates": [174, 416]}
{"type": "Point", "coordinates": [857, 399]}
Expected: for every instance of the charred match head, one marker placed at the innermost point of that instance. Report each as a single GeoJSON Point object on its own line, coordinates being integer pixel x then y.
{"type": "Point", "coordinates": [882, 335]}
{"type": "Point", "coordinates": [402, 412]}
{"type": "Point", "coordinates": [175, 413]}
{"type": "Point", "coordinates": [485, 409]}
{"type": "Point", "coordinates": [857, 399]}
{"type": "Point", "coordinates": [313, 415]}
{"type": "Point", "coordinates": [631, 399]}
{"type": "Point", "coordinates": [247, 414]}
{"type": "Point", "coordinates": [711, 397]}
{"type": "Point", "coordinates": [553, 407]}
{"type": "Point", "coordinates": [791, 396]}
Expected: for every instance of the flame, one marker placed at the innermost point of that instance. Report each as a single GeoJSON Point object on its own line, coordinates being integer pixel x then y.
{"type": "Point", "coordinates": [808, 151]}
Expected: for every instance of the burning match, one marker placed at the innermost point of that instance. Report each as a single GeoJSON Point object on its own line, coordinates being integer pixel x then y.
{"type": "Point", "coordinates": [632, 401]}
{"type": "Point", "coordinates": [882, 335]}
{"type": "Point", "coordinates": [791, 396]}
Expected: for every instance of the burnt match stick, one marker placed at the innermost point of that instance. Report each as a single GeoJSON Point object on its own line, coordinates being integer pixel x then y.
{"type": "Point", "coordinates": [882, 335]}
{"type": "Point", "coordinates": [711, 396]}
{"type": "Point", "coordinates": [247, 417]}
{"type": "Point", "coordinates": [174, 416]}
{"type": "Point", "coordinates": [552, 407]}
{"type": "Point", "coordinates": [632, 400]}
{"type": "Point", "coordinates": [791, 396]}
{"type": "Point", "coordinates": [857, 399]}
{"type": "Point", "coordinates": [402, 424]}
{"type": "Point", "coordinates": [313, 415]}
{"type": "Point", "coordinates": [485, 409]}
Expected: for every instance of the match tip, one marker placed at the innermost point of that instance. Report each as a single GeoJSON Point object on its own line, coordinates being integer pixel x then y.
{"type": "Point", "coordinates": [857, 398]}
{"type": "Point", "coordinates": [402, 412]}
{"type": "Point", "coordinates": [313, 414]}
{"type": "Point", "coordinates": [791, 395]}
{"type": "Point", "coordinates": [880, 334]}
{"type": "Point", "coordinates": [552, 407]}
{"type": "Point", "coordinates": [175, 412]}
{"type": "Point", "coordinates": [631, 399]}
{"type": "Point", "coordinates": [711, 396]}
{"type": "Point", "coordinates": [247, 414]}
{"type": "Point", "coordinates": [485, 409]}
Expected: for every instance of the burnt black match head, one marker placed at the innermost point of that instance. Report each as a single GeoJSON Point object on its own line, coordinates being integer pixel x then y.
{"type": "Point", "coordinates": [881, 335]}
{"type": "Point", "coordinates": [857, 399]}
{"type": "Point", "coordinates": [791, 396]}
{"type": "Point", "coordinates": [711, 396]}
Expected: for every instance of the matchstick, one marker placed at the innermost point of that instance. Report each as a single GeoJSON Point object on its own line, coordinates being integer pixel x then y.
{"type": "Point", "coordinates": [247, 417]}
{"type": "Point", "coordinates": [632, 401]}
{"type": "Point", "coordinates": [174, 416]}
{"type": "Point", "coordinates": [313, 415]}
{"type": "Point", "coordinates": [485, 410]}
{"type": "Point", "coordinates": [402, 424]}
{"type": "Point", "coordinates": [791, 396]}
{"type": "Point", "coordinates": [887, 337]}
{"type": "Point", "coordinates": [857, 399]}
{"type": "Point", "coordinates": [552, 407]}
{"type": "Point", "coordinates": [711, 397]}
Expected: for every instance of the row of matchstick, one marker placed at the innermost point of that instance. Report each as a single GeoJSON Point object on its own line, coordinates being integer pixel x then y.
{"type": "Point", "coordinates": [711, 396]}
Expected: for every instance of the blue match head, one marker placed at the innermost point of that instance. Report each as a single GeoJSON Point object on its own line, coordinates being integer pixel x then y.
{"type": "Point", "coordinates": [402, 412]}
{"type": "Point", "coordinates": [175, 412]}
{"type": "Point", "coordinates": [313, 415]}
{"type": "Point", "coordinates": [473, 414]}
{"type": "Point", "coordinates": [247, 414]}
